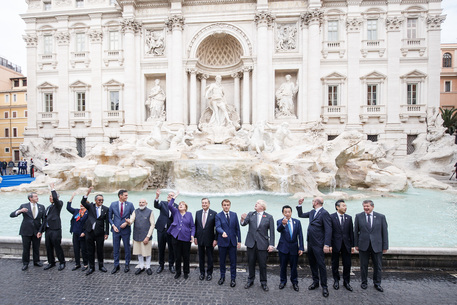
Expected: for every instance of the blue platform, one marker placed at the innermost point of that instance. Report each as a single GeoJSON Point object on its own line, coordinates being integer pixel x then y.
{"type": "Point", "coordinates": [13, 180]}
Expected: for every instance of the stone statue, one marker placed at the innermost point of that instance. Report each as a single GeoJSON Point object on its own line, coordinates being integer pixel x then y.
{"type": "Point", "coordinates": [280, 135]}
{"type": "Point", "coordinates": [216, 100]}
{"type": "Point", "coordinates": [155, 43]}
{"type": "Point", "coordinates": [285, 98]}
{"type": "Point", "coordinates": [156, 102]}
{"type": "Point", "coordinates": [258, 137]}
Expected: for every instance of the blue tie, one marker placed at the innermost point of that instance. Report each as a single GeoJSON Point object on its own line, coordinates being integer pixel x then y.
{"type": "Point", "coordinates": [290, 228]}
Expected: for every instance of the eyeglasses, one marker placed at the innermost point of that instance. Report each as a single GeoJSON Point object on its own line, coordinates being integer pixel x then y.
{"type": "Point", "coordinates": [100, 200]}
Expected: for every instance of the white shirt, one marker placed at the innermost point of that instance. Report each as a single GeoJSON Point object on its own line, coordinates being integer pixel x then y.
{"type": "Point", "coordinates": [259, 217]}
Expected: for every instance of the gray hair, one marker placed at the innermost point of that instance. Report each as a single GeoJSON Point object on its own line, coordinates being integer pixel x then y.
{"type": "Point", "coordinates": [29, 196]}
{"type": "Point", "coordinates": [262, 203]}
{"type": "Point", "coordinates": [368, 201]}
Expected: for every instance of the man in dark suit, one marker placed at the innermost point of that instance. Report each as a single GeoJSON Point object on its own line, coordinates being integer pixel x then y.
{"type": "Point", "coordinates": [370, 239]}
{"type": "Point", "coordinates": [119, 214]}
{"type": "Point", "coordinates": [290, 246]}
{"type": "Point", "coordinates": [163, 238]}
{"type": "Point", "coordinates": [53, 228]}
{"type": "Point", "coordinates": [32, 219]}
{"type": "Point", "coordinates": [97, 230]}
{"type": "Point", "coordinates": [258, 241]}
{"type": "Point", "coordinates": [205, 238]}
{"type": "Point", "coordinates": [228, 240]}
{"type": "Point", "coordinates": [319, 239]}
{"type": "Point", "coordinates": [342, 244]}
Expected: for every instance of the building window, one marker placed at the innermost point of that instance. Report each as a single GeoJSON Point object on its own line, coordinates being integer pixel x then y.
{"type": "Point", "coordinates": [81, 147]}
{"type": "Point", "coordinates": [79, 3]}
{"type": "Point", "coordinates": [372, 29]}
{"type": "Point", "coordinates": [113, 38]}
{"type": "Point", "coordinates": [25, 113]}
{"type": "Point", "coordinates": [47, 5]}
{"type": "Point", "coordinates": [331, 137]}
{"type": "Point", "coordinates": [80, 42]}
{"type": "Point", "coordinates": [14, 114]}
{"type": "Point", "coordinates": [14, 132]}
{"type": "Point", "coordinates": [7, 150]}
{"type": "Point", "coordinates": [24, 82]}
{"type": "Point", "coordinates": [333, 30]}
{"type": "Point", "coordinates": [412, 94]}
{"type": "Point", "coordinates": [333, 95]}
{"type": "Point", "coordinates": [48, 102]}
{"type": "Point", "coordinates": [372, 137]}
{"type": "Point", "coordinates": [114, 100]}
{"type": "Point", "coordinates": [81, 101]}
{"type": "Point", "coordinates": [112, 140]}
{"type": "Point", "coordinates": [7, 132]}
{"type": "Point", "coordinates": [409, 143]}
{"type": "Point", "coordinates": [447, 86]}
{"type": "Point", "coordinates": [7, 98]}
{"type": "Point", "coordinates": [447, 60]}
{"type": "Point", "coordinates": [411, 28]}
{"type": "Point", "coordinates": [16, 83]}
{"type": "Point", "coordinates": [47, 44]}
{"type": "Point", "coordinates": [6, 114]}
{"type": "Point", "coordinates": [14, 97]}
{"type": "Point", "coordinates": [372, 95]}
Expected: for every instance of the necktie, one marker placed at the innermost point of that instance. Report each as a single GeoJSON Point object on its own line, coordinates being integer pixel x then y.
{"type": "Point", "coordinates": [369, 221]}
{"type": "Point", "coordinates": [122, 209]}
{"type": "Point", "coordinates": [342, 220]}
{"type": "Point", "coordinates": [34, 211]}
{"type": "Point", "coordinates": [228, 217]}
{"type": "Point", "coordinates": [204, 219]}
{"type": "Point", "coordinates": [290, 228]}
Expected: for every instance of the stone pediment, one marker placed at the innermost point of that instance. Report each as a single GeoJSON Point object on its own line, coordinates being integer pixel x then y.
{"type": "Point", "coordinates": [47, 85]}
{"type": "Point", "coordinates": [334, 76]}
{"type": "Point", "coordinates": [414, 74]}
{"type": "Point", "coordinates": [374, 76]}
{"type": "Point", "coordinates": [79, 84]}
{"type": "Point", "coordinates": [113, 83]}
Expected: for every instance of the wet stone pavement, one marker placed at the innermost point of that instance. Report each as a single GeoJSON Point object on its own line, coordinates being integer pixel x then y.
{"type": "Point", "coordinates": [36, 286]}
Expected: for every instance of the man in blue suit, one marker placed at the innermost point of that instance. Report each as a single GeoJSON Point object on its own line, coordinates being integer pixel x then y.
{"type": "Point", "coordinates": [319, 239]}
{"type": "Point", "coordinates": [119, 212]}
{"type": "Point", "coordinates": [228, 240]}
{"type": "Point", "coordinates": [290, 246]}
{"type": "Point", "coordinates": [342, 243]}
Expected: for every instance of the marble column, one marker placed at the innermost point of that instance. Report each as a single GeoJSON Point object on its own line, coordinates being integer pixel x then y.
{"type": "Point", "coordinates": [246, 101]}
{"type": "Point", "coordinates": [353, 26]}
{"type": "Point", "coordinates": [176, 108]}
{"type": "Point", "coordinates": [236, 91]}
{"type": "Point", "coordinates": [193, 96]}
{"type": "Point", "coordinates": [434, 59]}
{"type": "Point", "coordinates": [96, 108]}
{"type": "Point", "coordinates": [263, 19]}
{"type": "Point", "coordinates": [31, 41]}
{"type": "Point", "coordinates": [302, 97]}
{"type": "Point", "coordinates": [63, 100]}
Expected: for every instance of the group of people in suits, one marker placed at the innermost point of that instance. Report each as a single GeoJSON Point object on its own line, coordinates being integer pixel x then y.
{"type": "Point", "coordinates": [327, 233]}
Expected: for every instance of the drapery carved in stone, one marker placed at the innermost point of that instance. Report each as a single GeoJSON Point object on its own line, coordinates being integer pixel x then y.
{"type": "Point", "coordinates": [264, 18]}
{"type": "Point", "coordinates": [130, 25]}
{"type": "Point", "coordinates": [286, 37]}
{"type": "Point", "coordinates": [315, 15]}
{"type": "Point", "coordinates": [175, 22]}
{"type": "Point", "coordinates": [394, 23]}
{"type": "Point", "coordinates": [434, 22]}
{"type": "Point", "coordinates": [30, 40]}
{"type": "Point", "coordinates": [155, 42]}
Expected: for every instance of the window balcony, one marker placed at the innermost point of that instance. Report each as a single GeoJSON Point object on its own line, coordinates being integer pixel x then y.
{"type": "Point", "coordinates": [334, 112]}
{"type": "Point", "coordinates": [47, 59]}
{"type": "Point", "coordinates": [409, 111]}
{"type": "Point", "coordinates": [373, 111]}
{"type": "Point", "coordinates": [333, 47]}
{"type": "Point", "coordinates": [413, 44]}
{"type": "Point", "coordinates": [79, 57]}
{"type": "Point", "coordinates": [373, 46]}
{"type": "Point", "coordinates": [113, 116]}
{"type": "Point", "coordinates": [113, 55]}
{"type": "Point", "coordinates": [47, 118]}
{"type": "Point", "coordinates": [80, 117]}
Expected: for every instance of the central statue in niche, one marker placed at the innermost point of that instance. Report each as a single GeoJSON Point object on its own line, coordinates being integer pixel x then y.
{"type": "Point", "coordinates": [219, 120]}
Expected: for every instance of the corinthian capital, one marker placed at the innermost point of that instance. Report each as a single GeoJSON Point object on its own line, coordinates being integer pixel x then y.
{"type": "Point", "coordinates": [130, 25]}
{"type": "Point", "coordinates": [264, 18]}
{"type": "Point", "coordinates": [353, 24]}
{"type": "Point", "coordinates": [394, 23]}
{"type": "Point", "coordinates": [313, 16]}
{"type": "Point", "coordinates": [30, 40]}
{"type": "Point", "coordinates": [175, 22]}
{"type": "Point", "coordinates": [96, 36]}
{"type": "Point", "coordinates": [434, 22]}
{"type": "Point", "coordinates": [62, 38]}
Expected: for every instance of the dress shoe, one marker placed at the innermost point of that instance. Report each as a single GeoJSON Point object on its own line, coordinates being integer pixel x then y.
{"type": "Point", "coordinates": [126, 268]}
{"type": "Point", "coordinates": [25, 267]}
{"type": "Point", "coordinates": [296, 287]}
{"type": "Point", "coordinates": [201, 277]}
{"type": "Point", "coordinates": [325, 292]}
{"type": "Point", "coordinates": [149, 271]}
{"type": "Point", "coordinates": [84, 268]}
{"type": "Point", "coordinates": [61, 267]}
{"type": "Point", "coordinates": [102, 269]}
{"type": "Point", "coordinates": [363, 286]}
{"type": "Point", "coordinates": [248, 285]}
{"type": "Point", "coordinates": [76, 267]}
{"type": "Point", "coordinates": [90, 271]}
{"type": "Point", "coordinates": [115, 269]}
{"type": "Point", "coordinates": [186, 276]}
{"type": "Point", "coordinates": [221, 281]}
{"type": "Point", "coordinates": [177, 275]}
{"type": "Point", "coordinates": [172, 269]}
{"type": "Point", "coordinates": [265, 287]}
{"type": "Point", "coordinates": [160, 269]}
{"type": "Point", "coordinates": [313, 286]}
{"type": "Point", "coordinates": [232, 283]}
{"type": "Point", "coordinates": [378, 288]}
{"type": "Point", "coordinates": [336, 285]}
{"type": "Point", "coordinates": [209, 277]}
{"type": "Point", "coordinates": [347, 286]}
{"type": "Point", "coordinates": [38, 264]}
{"type": "Point", "coordinates": [282, 285]}
{"type": "Point", "coordinates": [139, 270]}
{"type": "Point", "coordinates": [49, 266]}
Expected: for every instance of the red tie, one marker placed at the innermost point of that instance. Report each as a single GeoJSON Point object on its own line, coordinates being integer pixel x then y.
{"type": "Point", "coordinates": [122, 209]}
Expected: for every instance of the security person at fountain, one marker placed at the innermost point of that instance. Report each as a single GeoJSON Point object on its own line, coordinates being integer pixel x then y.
{"type": "Point", "coordinates": [33, 217]}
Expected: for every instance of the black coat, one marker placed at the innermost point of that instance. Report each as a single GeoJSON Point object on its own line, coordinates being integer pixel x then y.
{"type": "Point", "coordinates": [30, 226]}
{"type": "Point", "coordinates": [52, 214]}
{"type": "Point", "coordinates": [101, 223]}
{"type": "Point", "coordinates": [207, 235]}
{"type": "Point", "coordinates": [342, 236]}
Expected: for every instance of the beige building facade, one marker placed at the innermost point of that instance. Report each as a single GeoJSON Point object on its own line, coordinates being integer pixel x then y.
{"type": "Point", "coordinates": [448, 85]}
